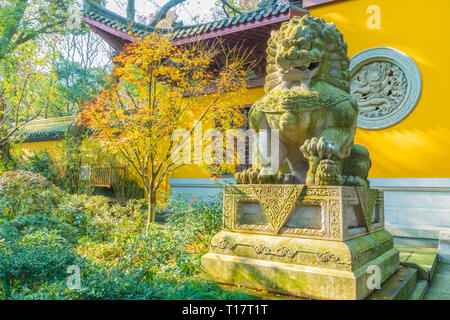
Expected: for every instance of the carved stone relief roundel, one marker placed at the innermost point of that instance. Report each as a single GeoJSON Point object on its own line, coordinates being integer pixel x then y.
{"type": "Point", "coordinates": [386, 84]}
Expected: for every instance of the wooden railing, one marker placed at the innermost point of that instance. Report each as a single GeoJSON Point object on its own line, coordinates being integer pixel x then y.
{"type": "Point", "coordinates": [106, 176]}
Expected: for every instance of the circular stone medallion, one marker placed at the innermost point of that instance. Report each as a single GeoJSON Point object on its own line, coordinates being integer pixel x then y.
{"type": "Point", "coordinates": [386, 84]}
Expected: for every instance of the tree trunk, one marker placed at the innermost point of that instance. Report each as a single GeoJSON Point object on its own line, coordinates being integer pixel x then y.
{"type": "Point", "coordinates": [151, 208]}
{"type": "Point", "coordinates": [5, 156]}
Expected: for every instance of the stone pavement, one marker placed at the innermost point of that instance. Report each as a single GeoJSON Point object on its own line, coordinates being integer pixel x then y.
{"type": "Point", "coordinates": [439, 288]}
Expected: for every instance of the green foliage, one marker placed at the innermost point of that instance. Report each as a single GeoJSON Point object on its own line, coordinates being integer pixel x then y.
{"type": "Point", "coordinates": [198, 220]}
{"type": "Point", "coordinates": [42, 163]}
{"type": "Point", "coordinates": [220, 11]}
{"type": "Point", "coordinates": [38, 222]}
{"type": "Point", "coordinates": [117, 259]}
{"type": "Point", "coordinates": [79, 83]}
{"type": "Point", "coordinates": [8, 232]}
{"type": "Point", "coordinates": [23, 192]}
{"type": "Point", "coordinates": [99, 283]}
{"type": "Point", "coordinates": [37, 256]}
{"type": "Point", "coordinates": [98, 219]}
{"type": "Point", "coordinates": [24, 21]}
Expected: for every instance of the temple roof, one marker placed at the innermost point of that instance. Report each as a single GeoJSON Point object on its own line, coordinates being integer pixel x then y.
{"type": "Point", "coordinates": [46, 129]}
{"type": "Point", "coordinates": [106, 23]}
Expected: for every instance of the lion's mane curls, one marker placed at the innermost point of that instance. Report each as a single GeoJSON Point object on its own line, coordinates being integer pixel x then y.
{"type": "Point", "coordinates": [335, 68]}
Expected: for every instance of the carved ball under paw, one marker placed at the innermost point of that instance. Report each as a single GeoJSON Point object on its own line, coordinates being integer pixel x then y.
{"type": "Point", "coordinates": [328, 174]}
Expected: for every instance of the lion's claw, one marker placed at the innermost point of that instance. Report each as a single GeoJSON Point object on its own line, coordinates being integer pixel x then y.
{"type": "Point", "coordinates": [319, 148]}
{"type": "Point", "coordinates": [255, 176]}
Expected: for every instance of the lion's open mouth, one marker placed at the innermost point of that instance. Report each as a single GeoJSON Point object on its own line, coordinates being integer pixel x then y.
{"type": "Point", "coordinates": [303, 68]}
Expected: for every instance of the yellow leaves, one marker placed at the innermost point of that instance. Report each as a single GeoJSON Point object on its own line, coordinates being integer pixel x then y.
{"type": "Point", "coordinates": [154, 89]}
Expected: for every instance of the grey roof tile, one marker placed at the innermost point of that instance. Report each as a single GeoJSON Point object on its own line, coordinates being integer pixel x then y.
{"type": "Point", "coordinates": [95, 12]}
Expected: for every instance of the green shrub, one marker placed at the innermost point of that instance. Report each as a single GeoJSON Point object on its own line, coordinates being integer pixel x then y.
{"type": "Point", "coordinates": [197, 221]}
{"type": "Point", "coordinates": [158, 252]}
{"type": "Point", "coordinates": [44, 232]}
{"type": "Point", "coordinates": [8, 232]}
{"type": "Point", "coordinates": [98, 219]}
{"type": "Point", "coordinates": [23, 192]}
{"type": "Point", "coordinates": [99, 283]}
{"type": "Point", "coordinates": [37, 222]}
{"type": "Point", "coordinates": [35, 257]}
{"type": "Point", "coordinates": [42, 163]}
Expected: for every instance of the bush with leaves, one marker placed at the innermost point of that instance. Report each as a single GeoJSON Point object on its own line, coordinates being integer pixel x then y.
{"type": "Point", "coordinates": [24, 192]}
{"type": "Point", "coordinates": [118, 259]}
{"type": "Point", "coordinates": [42, 163]}
{"type": "Point", "coordinates": [38, 222]}
{"type": "Point", "coordinates": [101, 283]}
{"type": "Point", "coordinates": [97, 218]}
{"type": "Point", "coordinates": [197, 220]}
{"type": "Point", "coordinates": [35, 257]}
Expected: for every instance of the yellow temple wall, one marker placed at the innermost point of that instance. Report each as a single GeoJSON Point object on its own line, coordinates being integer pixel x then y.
{"type": "Point", "coordinates": [29, 148]}
{"type": "Point", "coordinates": [419, 145]}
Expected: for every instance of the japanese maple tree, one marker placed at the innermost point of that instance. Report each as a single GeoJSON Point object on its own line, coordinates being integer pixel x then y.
{"type": "Point", "coordinates": [157, 88]}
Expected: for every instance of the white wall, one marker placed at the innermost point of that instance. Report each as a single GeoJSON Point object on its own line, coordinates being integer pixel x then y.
{"type": "Point", "coordinates": [416, 210]}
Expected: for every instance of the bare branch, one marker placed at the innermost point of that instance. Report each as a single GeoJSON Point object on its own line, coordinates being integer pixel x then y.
{"type": "Point", "coordinates": [225, 5]}
{"type": "Point", "coordinates": [161, 14]}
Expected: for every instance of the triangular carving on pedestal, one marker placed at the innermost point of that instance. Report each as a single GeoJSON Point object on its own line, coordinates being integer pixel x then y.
{"type": "Point", "coordinates": [367, 199]}
{"type": "Point", "coordinates": [277, 202]}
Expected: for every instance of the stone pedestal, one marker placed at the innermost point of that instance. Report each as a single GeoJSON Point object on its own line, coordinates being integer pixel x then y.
{"type": "Point", "coordinates": [309, 241]}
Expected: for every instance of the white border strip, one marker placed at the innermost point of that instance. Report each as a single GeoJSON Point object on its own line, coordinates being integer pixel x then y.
{"type": "Point", "coordinates": [411, 184]}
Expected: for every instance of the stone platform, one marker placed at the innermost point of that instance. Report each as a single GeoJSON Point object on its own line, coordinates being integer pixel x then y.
{"type": "Point", "coordinates": [412, 281]}
{"type": "Point", "coordinates": [313, 242]}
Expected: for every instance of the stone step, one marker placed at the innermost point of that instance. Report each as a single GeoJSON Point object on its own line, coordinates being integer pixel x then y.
{"type": "Point", "coordinates": [398, 287]}
{"type": "Point", "coordinates": [439, 287]}
{"type": "Point", "coordinates": [419, 291]}
{"type": "Point", "coordinates": [421, 258]}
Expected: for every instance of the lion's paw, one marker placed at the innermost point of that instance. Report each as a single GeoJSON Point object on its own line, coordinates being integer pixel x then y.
{"type": "Point", "coordinates": [256, 176]}
{"type": "Point", "coordinates": [248, 176]}
{"type": "Point", "coordinates": [328, 174]}
{"type": "Point", "coordinates": [319, 148]}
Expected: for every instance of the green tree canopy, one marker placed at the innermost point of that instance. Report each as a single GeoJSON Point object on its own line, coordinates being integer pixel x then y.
{"type": "Point", "coordinates": [25, 20]}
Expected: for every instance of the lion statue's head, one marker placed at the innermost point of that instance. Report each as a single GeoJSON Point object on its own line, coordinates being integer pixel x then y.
{"type": "Point", "coordinates": [307, 48]}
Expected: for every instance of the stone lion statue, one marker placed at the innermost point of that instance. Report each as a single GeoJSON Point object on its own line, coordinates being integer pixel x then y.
{"type": "Point", "coordinates": [307, 98]}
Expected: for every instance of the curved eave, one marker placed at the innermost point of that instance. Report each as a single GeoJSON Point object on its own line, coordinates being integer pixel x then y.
{"type": "Point", "coordinates": [44, 137]}
{"type": "Point", "coordinates": [242, 27]}
{"type": "Point", "coordinates": [117, 38]}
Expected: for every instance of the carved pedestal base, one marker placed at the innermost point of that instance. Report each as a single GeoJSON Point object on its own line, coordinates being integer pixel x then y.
{"type": "Point", "coordinates": [317, 269]}
{"type": "Point", "coordinates": [314, 242]}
